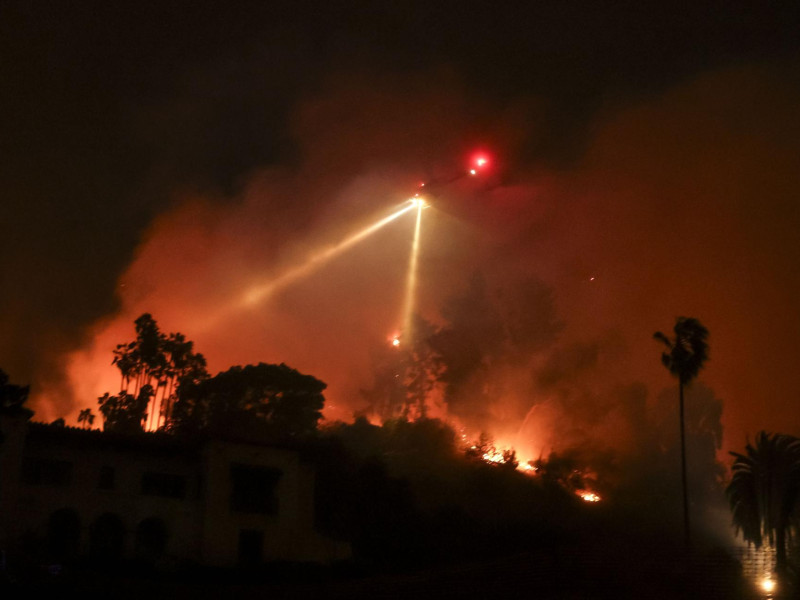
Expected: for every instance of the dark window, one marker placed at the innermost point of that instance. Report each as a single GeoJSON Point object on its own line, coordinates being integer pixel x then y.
{"type": "Point", "coordinates": [106, 481]}
{"type": "Point", "coordinates": [45, 471]}
{"type": "Point", "coordinates": [200, 485]}
{"type": "Point", "coordinates": [63, 534]}
{"type": "Point", "coordinates": [151, 539]}
{"type": "Point", "coordinates": [166, 485]}
{"type": "Point", "coordinates": [107, 539]}
{"type": "Point", "coordinates": [251, 546]}
{"type": "Point", "coordinates": [253, 489]}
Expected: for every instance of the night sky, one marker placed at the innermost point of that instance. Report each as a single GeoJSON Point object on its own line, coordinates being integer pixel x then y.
{"type": "Point", "coordinates": [164, 157]}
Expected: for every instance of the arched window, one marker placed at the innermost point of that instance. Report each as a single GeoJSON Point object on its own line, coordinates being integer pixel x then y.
{"type": "Point", "coordinates": [151, 539]}
{"type": "Point", "coordinates": [63, 535]}
{"type": "Point", "coordinates": [107, 538]}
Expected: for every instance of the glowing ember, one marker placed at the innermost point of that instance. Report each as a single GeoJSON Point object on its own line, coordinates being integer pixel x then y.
{"type": "Point", "coordinates": [481, 161]}
{"type": "Point", "coordinates": [589, 497]}
{"type": "Point", "coordinates": [473, 172]}
{"type": "Point", "coordinates": [494, 456]}
{"type": "Point", "coordinates": [489, 453]}
{"type": "Point", "coordinates": [395, 341]}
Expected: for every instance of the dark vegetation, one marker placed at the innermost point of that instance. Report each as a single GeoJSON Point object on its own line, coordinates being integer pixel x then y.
{"type": "Point", "coordinates": [410, 491]}
{"type": "Point", "coordinates": [404, 493]}
{"type": "Point", "coordinates": [12, 396]}
{"type": "Point", "coordinates": [165, 386]}
{"type": "Point", "coordinates": [483, 328]}
{"type": "Point", "coordinates": [410, 494]}
{"type": "Point", "coordinates": [764, 496]}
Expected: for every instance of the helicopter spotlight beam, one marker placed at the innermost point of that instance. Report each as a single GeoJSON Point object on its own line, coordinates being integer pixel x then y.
{"type": "Point", "coordinates": [260, 292]}
{"type": "Point", "coordinates": [411, 278]}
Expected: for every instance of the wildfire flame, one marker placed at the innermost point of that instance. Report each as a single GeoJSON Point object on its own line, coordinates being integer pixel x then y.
{"type": "Point", "coordinates": [588, 496]}
{"type": "Point", "coordinates": [494, 456]}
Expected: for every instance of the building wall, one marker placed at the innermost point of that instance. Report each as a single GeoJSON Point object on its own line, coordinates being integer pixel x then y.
{"type": "Point", "coordinates": [224, 524]}
{"type": "Point", "coordinates": [204, 522]}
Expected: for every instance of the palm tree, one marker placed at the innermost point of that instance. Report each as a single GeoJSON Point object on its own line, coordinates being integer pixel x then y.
{"type": "Point", "coordinates": [685, 356]}
{"type": "Point", "coordinates": [86, 417]}
{"type": "Point", "coordinates": [763, 492]}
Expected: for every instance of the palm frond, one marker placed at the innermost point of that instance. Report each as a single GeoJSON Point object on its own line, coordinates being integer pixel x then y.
{"type": "Point", "coordinates": [663, 339]}
{"type": "Point", "coordinates": [765, 488]}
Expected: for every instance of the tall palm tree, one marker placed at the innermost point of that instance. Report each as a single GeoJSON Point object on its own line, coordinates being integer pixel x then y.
{"type": "Point", "coordinates": [86, 417]}
{"type": "Point", "coordinates": [764, 492]}
{"type": "Point", "coordinates": [686, 354]}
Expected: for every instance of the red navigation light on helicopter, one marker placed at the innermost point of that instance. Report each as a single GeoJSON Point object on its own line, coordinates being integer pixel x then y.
{"type": "Point", "coordinates": [478, 163]}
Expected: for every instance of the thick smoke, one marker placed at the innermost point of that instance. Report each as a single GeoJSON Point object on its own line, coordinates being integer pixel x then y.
{"type": "Point", "coordinates": [165, 159]}
{"type": "Point", "coordinates": [645, 166]}
{"type": "Point", "coordinates": [197, 262]}
{"type": "Point", "coordinates": [682, 205]}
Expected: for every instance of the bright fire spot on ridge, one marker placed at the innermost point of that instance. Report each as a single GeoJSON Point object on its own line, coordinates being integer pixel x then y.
{"type": "Point", "coordinates": [494, 456]}
{"type": "Point", "coordinates": [589, 497]}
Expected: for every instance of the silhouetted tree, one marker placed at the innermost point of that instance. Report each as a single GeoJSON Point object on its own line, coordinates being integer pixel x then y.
{"type": "Point", "coordinates": [184, 368]}
{"type": "Point", "coordinates": [417, 446]}
{"type": "Point", "coordinates": [141, 360]}
{"type": "Point", "coordinates": [86, 417]}
{"type": "Point", "coordinates": [649, 478]}
{"type": "Point", "coordinates": [405, 376]}
{"type": "Point", "coordinates": [12, 397]}
{"type": "Point", "coordinates": [161, 361]}
{"type": "Point", "coordinates": [275, 400]}
{"type": "Point", "coordinates": [125, 413]}
{"type": "Point", "coordinates": [686, 354]}
{"type": "Point", "coordinates": [485, 328]}
{"type": "Point", "coordinates": [764, 491]}
{"type": "Point", "coordinates": [566, 470]}
{"type": "Point", "coordinates": [472, 338]}
{"type": "Point", "coordinates": [423, 368]}
{"type": "Point", "coordinates": [406, 491]}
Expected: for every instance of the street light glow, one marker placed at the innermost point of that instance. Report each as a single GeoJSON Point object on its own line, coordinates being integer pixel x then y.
{"type": "Point", "coordinates": [767, 585]}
